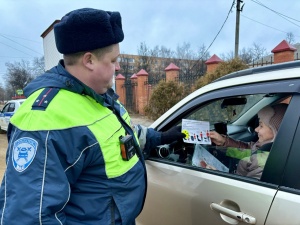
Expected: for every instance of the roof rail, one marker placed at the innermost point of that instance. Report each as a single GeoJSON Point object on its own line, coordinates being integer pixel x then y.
{"type": "Point", "coordinates": [260, 69]}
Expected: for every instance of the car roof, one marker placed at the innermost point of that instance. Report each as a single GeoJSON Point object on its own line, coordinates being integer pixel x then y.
{"type": "Point", "coordinates": [282, 71]}
{"type": "Point", "coordinates": [16, 100]}
{"type": "Point", "coordinates": [261, 69]}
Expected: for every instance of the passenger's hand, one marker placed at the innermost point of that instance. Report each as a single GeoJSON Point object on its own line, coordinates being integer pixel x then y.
{"type": "Point", "coordinates": [174, 134]}
{"type": "Point", "coordinates": [217, 138]}
{"type": "Point", "coordinates": [203, 164]}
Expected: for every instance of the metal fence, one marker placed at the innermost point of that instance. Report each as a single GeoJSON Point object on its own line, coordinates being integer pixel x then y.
{"type": "Point", "coordinates": [268, 61]}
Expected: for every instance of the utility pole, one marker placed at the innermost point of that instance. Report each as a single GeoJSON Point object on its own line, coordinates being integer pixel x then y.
{"type": "Point", "coordinates": [237, 27]}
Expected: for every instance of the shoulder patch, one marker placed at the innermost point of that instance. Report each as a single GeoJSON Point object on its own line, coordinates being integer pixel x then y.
{"type": "Point", "coordinates": [44, 99]}
{"type": "Point", "coordinates": [23, 153]}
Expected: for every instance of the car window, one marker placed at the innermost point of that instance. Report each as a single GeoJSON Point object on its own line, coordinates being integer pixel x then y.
{"type": "Point", "coordinates": [6, 108]}
{"type": "Point", "coordinates": [11, 107]}
{"type": "Point", "coordinates": [239, 115]}
{"type": "Point", "coordinates": [227, 109]}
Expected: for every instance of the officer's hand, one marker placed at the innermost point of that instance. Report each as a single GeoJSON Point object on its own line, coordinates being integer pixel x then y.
{"type": "Point", "coordinates": [171, 135]}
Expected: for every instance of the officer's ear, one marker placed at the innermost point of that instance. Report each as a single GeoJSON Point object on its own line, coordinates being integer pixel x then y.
{"type": "Point", "coordinates": [88, 60]}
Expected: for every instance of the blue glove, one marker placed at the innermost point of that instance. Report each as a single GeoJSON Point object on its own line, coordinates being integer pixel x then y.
{"type": "Point", "coordinates": [172, 135]}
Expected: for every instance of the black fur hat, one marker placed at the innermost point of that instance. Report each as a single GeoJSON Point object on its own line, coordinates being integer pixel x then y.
{"type": "Point", "coordinates": [87, 29]}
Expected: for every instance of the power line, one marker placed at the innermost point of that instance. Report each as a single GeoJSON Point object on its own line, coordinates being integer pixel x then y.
{"type": "Point", "coordinates": [230, 10]}
{"type": "Point", "coordinates": [16, 49]}
{"type": "Point", "coordinates": [278, 13]}
{"type": "Point", "coordinates": [19, 57]}
{"type": "Point", "coordinates": [257, 2]}
{"type": "Point", "coordinates": [267, 25]}
{"type": "Point", "coordinates": [20, 44]}
{"type": "Point", "coordinates": [20, 38]}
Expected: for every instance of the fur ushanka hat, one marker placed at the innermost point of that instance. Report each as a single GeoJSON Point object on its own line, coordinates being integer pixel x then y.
{"type": "Point", "coordinates": [272, 116]}
{"type": "Point", "coordinates": [87, 29]}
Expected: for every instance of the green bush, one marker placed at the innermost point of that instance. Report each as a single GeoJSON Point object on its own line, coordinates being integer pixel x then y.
{"type": "Point", "coordinates": [223, 68]}
{"type": "Point", "coordinates": [163, 97]}
{"type": "Point", "coordinates": [167, 94]}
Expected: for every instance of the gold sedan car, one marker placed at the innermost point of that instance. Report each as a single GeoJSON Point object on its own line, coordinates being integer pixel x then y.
{"type": "Point", "coordinates": [183, 190]}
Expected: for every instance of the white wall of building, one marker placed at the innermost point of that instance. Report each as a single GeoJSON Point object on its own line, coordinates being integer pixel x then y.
{"type": "Point", "coordinates": [52, 56]}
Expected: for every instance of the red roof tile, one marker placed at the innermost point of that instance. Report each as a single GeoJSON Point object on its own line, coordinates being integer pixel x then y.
{"type": "Point", "coordinates": [120, 77]}
{"type": "Point", "coordinates": [142, 72]}
{"type": "Point", "coordinates": [134, 76]}
{"type": "Point", "coordinates": [213, 59]}
{"type": "Point", "coordinates": [172, 66]}
{"type": "Point", "coordinates": [283, 46]}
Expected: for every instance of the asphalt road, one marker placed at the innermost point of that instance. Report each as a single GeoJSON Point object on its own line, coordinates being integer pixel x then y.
{"type": "Point", "coordinates": [3, 147]}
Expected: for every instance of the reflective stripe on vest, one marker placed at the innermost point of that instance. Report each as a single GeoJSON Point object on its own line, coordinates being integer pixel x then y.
{"type": "Point", "coordinates": [66, 111]}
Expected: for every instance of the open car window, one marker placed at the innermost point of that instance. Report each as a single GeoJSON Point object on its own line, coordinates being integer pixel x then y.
{"type": "Point", "coordinates": [239, 116]}
{"type": "Point", "coordinates": [226, 110]}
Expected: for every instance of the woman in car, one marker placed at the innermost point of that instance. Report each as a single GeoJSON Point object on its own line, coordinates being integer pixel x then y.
{"type": "Point", "coordinates": [270, 118]}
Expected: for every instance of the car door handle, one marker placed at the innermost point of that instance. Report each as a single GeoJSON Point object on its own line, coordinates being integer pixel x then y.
{"type": "Point", "coordinates": [240, 216]}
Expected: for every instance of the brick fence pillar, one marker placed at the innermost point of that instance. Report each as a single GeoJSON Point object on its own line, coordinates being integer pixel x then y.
{"type": "Point", "coordinates": [213, 63]}
{"type": "Point", "coordinates": [120, 88]}
{"type": "Point", "coordinates": [142, 92]}
{"type": "Point", "coordinates": [133, 79]}
{"type": "Point", "coordinates": [283, 52]}
{"type": "Point", "coordinates": [172, 72]}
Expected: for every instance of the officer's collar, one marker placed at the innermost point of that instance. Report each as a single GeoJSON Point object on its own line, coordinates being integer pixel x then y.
{"type": "Point", "coordinates": [78, 86]}
{"type": "Point", "coordinates": [59, 77]}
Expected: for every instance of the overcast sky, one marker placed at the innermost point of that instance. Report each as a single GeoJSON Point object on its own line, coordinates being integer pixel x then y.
{"type": "Point", "coordinates": [166, 23]}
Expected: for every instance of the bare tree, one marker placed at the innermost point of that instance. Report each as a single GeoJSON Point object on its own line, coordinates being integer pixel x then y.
{"type": "Point", "coordinates": [2, 93]}
{"type": "Point", "coordinates": [258, 51]}
{"type": "Point", "coordinates": [144, 53]}
{"type": "Point", "coordinates": [203, 54]}
{"type": "Point", "coordinates": [165, 58]}
{"type": "Point", "coordinates": [184, 51]}
{"type": "Point", "coordinates": [188, 60]}
{"type": "Point", "coordinates": [290, 37]}
{"type": "Point", "coordinates": [38, 66]}
{"type": "Point", "coordinates": [227, 56]}
{"type": "Point", "coordinates": [155, 60]}
{"type": "Point", "coordinates": [126, 65]}
{"type": "Point", "coordinates": [18, 76]}
{"type": "Point", "coordinates": [166, 53]}
{"type": "Point", "coordinates": [246, 55]}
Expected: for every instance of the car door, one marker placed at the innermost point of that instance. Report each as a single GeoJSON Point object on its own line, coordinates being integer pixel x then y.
{"type": "Point", "coordinates": [286, 204]}
{"type": "Point", "coordinates": [180, 193]}
{"type": "Point", "coordinates": [6, 113]}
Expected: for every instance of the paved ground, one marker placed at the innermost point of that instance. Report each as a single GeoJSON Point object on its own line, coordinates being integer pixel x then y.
{"type": "Point", "coordinates": [142, 120]}
{"type": "Point", "coordinates": [136, 119]}
{"type": "Point", "coordinates": [3, 146]}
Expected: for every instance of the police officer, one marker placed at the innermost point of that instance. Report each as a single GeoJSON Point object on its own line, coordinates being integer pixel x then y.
{"type": "Point", "coordinates": [73, 157]}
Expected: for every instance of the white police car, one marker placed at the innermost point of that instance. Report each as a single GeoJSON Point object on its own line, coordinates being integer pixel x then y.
{"type": "Point", "coordinates": [8, 111]}
{"type": "Point", "coordinates": [183, 191]}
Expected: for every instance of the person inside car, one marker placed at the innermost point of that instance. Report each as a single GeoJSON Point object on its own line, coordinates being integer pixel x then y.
{"type": "Point", "coordinates": [253, 155]}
